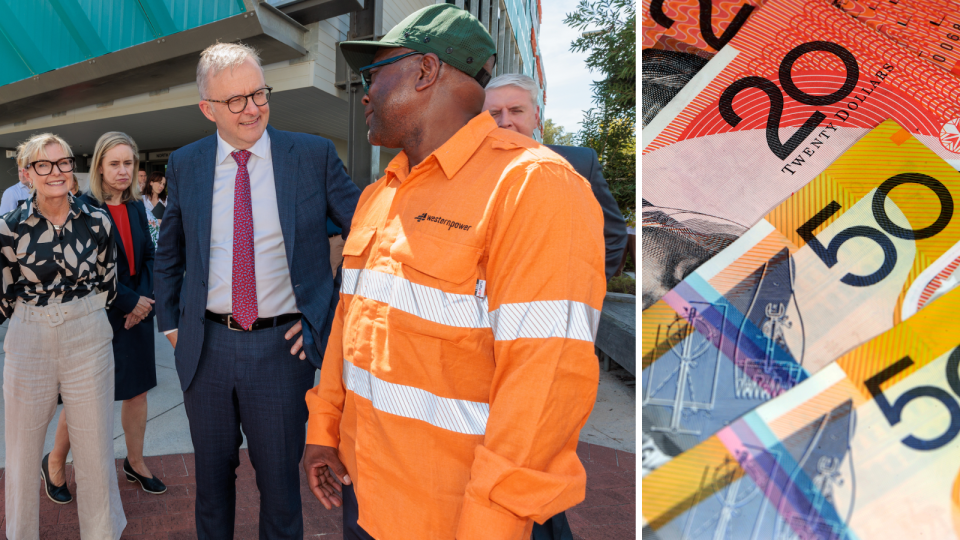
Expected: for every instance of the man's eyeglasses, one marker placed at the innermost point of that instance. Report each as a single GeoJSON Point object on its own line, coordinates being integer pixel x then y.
{"type": "Point", "coordinates": [367, 78]}
{"type": "Point", "coordinates": [44, 167]}
{"type": "Point", "coordinates": [237, 104]}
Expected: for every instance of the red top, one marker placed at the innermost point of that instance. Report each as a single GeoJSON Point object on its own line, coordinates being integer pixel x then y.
{"type": "Point", "coordinates": [122, 220]}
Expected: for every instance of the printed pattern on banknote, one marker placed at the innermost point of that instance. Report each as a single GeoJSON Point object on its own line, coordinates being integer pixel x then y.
{"type": "Point", "coordinates": [866, 448]}
{"type": "Point", "coordinates": [797, 86]}
{"type": "Point", "coordinates": [827, 269]}
{"type": "Point", "coordinates": [680, 36]}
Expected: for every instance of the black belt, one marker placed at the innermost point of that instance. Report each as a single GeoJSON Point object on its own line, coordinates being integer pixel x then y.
{"type": "Point", "coordinates": [259, 324]}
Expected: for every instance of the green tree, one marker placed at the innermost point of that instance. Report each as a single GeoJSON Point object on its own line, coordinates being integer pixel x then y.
{"type": "Point", "coordinates": [554, 134]}
{"type": "Point", "coordinates": [610, 127]}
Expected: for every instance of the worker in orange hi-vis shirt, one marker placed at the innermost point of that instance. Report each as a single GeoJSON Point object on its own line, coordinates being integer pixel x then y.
{"type": "Point", "coordinates": [460, 367]}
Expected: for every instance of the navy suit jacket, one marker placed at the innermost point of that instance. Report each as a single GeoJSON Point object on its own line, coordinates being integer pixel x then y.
{"type": "Point", "coordinates": [311, 185]}
{"type": "Point", "coordinates": [587, 165]}
{"type": "Point", "coordinates": [131, 288]}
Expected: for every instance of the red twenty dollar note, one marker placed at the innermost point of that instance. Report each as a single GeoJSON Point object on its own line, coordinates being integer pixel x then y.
{"type": "Point", "coordinates": [789, 93]}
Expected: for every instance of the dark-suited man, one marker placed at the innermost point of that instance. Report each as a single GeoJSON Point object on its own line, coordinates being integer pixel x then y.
{"type": "Point", "coordinates": [231, 295]}
{"type": "Point", "coordinates": [511, 100]}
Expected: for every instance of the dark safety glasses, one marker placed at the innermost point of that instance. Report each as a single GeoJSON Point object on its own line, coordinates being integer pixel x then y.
{"type": "Point", "coordinates": [367, 78]}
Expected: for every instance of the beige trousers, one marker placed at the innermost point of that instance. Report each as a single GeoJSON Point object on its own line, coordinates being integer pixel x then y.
{"type": "Point", "coordinates": [65, 348]}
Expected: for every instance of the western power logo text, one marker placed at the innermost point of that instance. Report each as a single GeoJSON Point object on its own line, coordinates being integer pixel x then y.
{"type": "Point", "coordinates": [441, 221]}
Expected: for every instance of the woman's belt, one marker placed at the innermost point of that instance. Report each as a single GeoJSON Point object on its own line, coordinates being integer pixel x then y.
{"type": "Point", "coordinates": [56, 314]}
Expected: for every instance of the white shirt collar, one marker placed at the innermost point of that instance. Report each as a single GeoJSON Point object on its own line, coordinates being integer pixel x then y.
{"type": "Point", "coordinates": [261, 148]}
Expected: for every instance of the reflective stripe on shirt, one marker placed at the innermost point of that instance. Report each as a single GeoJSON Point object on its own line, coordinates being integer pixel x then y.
{"type": "Point", "coordinates": [459, 415]}
{"type": "Point", "coordinates": [545, 319]}
{"type": "Point", "coordinates": [542, 319]}
{"type": "Point", "coordinates": [460, 310]}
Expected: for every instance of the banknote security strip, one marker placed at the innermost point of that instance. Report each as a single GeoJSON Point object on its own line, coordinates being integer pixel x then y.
{"type": "Point", "coordinates": [858, 450]}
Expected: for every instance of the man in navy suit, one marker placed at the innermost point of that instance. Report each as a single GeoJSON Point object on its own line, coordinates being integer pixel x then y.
{"type": "Point", "coordinates": [511, 100]}
{"type": "Point", "coordinates": [231, 296]}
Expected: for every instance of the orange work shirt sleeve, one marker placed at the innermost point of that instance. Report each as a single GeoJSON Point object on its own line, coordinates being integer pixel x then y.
{"type": "Point", "coordinates": [546, 264]}
{"type": "Point", "coordinates": [325, 402]}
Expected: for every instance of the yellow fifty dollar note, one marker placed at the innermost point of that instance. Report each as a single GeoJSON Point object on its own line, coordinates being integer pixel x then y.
{"type": "Point", "coordinates": [866, 448]}
{"type": "Point", "coordinates": [840, 261]}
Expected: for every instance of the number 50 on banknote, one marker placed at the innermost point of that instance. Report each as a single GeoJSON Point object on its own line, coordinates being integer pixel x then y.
{"type": "Point", "coordinates": [868, 448]}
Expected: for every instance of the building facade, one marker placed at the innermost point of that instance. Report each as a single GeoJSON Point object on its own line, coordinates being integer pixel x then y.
{"type": "Point", "coordinates": [80, 68]}
{"type": "Point", "coordinates": [515, 27]}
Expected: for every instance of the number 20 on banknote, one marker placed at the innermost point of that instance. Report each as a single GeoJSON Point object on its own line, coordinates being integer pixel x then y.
{"type": "Point", "coordinates": [785, 76]}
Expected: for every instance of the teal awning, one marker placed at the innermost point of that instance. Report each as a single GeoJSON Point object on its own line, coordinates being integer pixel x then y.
{"type": "Point", "coordinates": [43, 35]}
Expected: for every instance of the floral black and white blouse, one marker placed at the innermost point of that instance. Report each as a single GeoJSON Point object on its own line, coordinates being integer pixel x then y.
{"type": "Point", "coordinates": [43, 267]}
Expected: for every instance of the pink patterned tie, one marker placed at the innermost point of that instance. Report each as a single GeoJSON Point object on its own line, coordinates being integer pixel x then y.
{"type": "Point", "coordinates": [244, 292]}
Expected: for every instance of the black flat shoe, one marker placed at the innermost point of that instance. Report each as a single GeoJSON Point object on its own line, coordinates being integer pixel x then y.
{"type": "Point", "coordinates": [150, 485]}
{"type": "Point", "coordinates": [57, 494]}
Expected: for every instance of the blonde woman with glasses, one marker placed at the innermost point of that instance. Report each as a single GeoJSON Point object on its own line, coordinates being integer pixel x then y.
{"type": "Point", "coordinates": [58, 275]}
{"type": "Point", "coordinates": [114, 192]}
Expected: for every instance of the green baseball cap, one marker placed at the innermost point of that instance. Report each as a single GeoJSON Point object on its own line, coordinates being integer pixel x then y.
{"type": "Point", "coordinates": [451, 33]}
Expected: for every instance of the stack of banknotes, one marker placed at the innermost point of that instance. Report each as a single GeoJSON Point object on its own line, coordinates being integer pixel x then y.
{"type": "Point", "coordinates": [800, 251]}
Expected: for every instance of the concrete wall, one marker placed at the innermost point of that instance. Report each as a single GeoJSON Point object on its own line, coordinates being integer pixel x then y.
{"type": "Point", "coordinates": [320, 42]}
{"type": "Point", "coordinates": [395, 11]}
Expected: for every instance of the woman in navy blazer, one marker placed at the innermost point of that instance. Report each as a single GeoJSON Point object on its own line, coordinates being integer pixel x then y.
{"type": "Point", "coordinates": [112, 189]}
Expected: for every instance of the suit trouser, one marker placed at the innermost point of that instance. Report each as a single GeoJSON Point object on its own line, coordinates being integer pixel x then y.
{"type": "Point", "coordinates": [76, 359]}
{"type": "Point", "coordinates": [351, 513]}
{"type": "Point", "coordinates": [248, 380]}
{"type": "Point", "coordinates": [555, 528]}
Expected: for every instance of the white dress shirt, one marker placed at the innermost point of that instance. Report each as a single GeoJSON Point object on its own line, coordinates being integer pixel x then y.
{"type": "Point", "coordinates": [12, 196]}
{"type": "Point", "coordinates": [274, 288]}
{"type": "Point", "coordinates": [149, 205]}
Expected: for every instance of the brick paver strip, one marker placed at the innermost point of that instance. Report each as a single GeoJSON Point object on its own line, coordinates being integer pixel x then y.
{"type": "Point", "coordinates": [608, 512]}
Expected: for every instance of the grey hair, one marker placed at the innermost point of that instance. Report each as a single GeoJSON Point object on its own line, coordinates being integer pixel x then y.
{"type": "Point", "coordinates": [519, 80]}
{"type": "Point", "coordinates": [220, 56]}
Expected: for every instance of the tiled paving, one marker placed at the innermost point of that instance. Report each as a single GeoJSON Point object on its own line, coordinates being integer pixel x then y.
{"type": "Point", "coordinates": [609, 511]}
